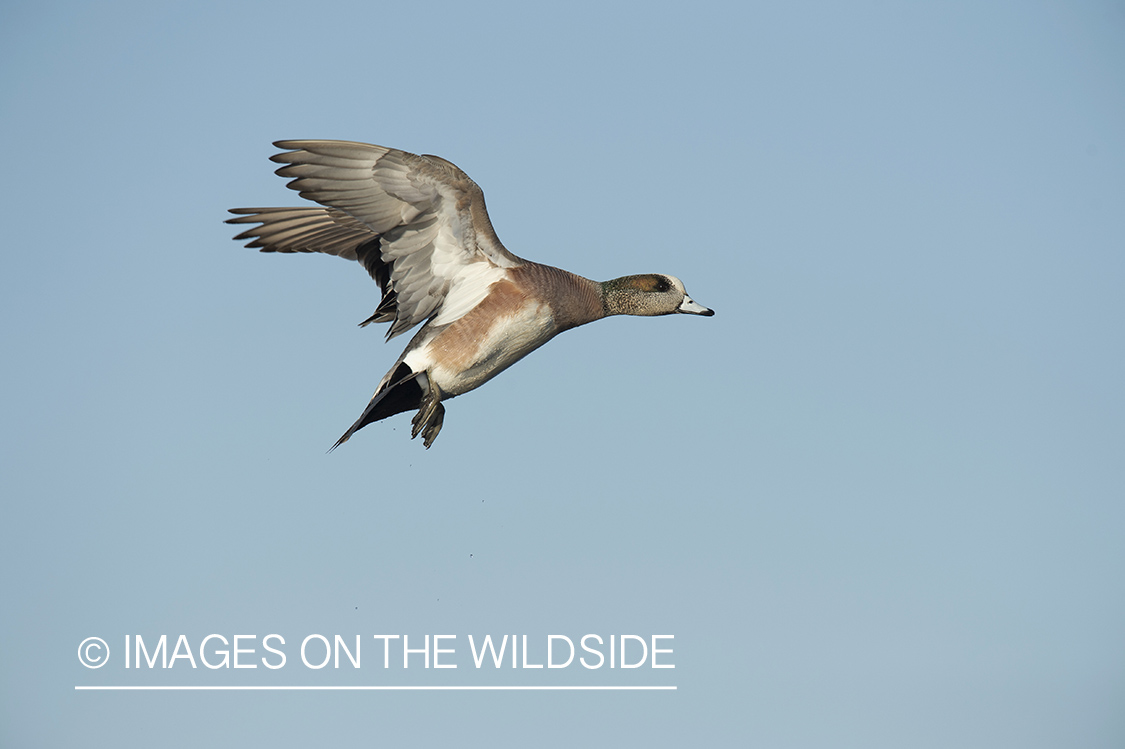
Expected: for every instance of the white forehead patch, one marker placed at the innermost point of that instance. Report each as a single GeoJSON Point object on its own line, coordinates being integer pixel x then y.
{"type": "Point", "coordinates": [676, 283]}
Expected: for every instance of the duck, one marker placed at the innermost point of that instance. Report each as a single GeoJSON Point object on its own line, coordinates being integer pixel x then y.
{"type": "Point", "coordinates": [419, 226]}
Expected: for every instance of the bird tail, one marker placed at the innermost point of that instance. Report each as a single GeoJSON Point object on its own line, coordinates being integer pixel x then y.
{"type": "Point", "coordinates": [402, 392]}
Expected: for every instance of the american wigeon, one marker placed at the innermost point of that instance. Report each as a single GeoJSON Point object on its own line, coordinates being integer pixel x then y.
{"type": "Point", "coordinates": [419, 226]}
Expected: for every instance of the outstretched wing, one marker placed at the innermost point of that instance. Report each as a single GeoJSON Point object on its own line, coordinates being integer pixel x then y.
{"type": "Point", "coordinates": [417, 223]}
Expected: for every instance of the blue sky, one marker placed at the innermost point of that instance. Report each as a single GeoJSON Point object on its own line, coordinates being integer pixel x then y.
{"type": "Point", "coordinates": [877, 499]}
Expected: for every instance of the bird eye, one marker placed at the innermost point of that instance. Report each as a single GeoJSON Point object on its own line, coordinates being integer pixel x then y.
{"type": "Point", "coordinates": [663, 285]}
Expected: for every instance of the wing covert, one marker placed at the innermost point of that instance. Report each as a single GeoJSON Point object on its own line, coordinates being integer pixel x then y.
{"type": "Point", "coordinates": [417, 223]}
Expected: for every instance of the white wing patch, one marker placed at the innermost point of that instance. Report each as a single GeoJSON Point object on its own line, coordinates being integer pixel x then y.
{"type": "Point", "coordinates": [470, 287]}
{"type": "Point", "coordinates": [438, 253]}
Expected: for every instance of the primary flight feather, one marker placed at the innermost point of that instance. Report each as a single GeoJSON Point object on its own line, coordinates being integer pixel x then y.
{"type": "Point", "coordinates": [418, 224]}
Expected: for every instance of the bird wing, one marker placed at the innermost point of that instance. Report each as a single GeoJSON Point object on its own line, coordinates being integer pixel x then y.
{"type": "Point", "coordinates": [418, 224]}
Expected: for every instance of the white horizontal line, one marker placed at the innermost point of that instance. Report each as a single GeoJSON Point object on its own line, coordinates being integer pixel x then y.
{"type": "Point", "coordinates": [371, 688]}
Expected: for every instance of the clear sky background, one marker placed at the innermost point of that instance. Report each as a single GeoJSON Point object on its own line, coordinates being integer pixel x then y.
{"type": "Point", "coordinates": [878, 499]}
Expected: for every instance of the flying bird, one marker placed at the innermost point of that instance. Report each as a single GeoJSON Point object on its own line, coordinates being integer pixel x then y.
{"type": "Point", "coordinates": [418, 224]}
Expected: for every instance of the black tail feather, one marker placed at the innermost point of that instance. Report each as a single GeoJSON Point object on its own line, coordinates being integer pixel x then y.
{"type": "Point", "coordinates": [403, 393]}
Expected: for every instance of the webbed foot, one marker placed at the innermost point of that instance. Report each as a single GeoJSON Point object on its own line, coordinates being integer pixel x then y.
{"type": "Point", "coordinates": [428, 420]}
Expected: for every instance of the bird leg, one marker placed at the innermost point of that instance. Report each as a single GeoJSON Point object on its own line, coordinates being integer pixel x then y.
{"type": "Point", "coordinates": [431, 414]}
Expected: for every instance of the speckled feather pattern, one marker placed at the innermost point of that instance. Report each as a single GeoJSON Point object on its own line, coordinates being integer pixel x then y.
{"type": "Point", "coordinates": [419, 225]}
